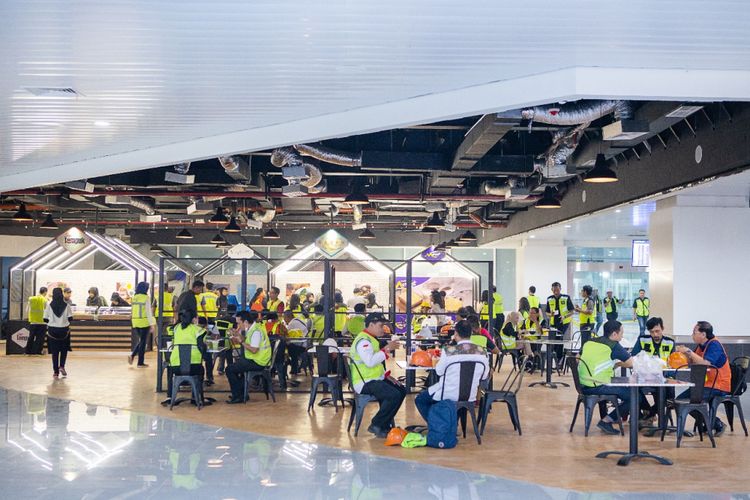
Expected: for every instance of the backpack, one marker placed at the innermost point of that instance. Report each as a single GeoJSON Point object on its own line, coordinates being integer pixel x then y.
{"type": "Point", "coordinates": [442, 425]}
{"type": "Point", "coordinates": [738, 378]}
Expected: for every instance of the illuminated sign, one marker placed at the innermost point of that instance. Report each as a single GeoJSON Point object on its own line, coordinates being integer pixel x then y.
{"type": "Point", "coordinates": [331, 243]}
{"type": "Point", "coordinates": [241, 251]}
{"type": "Point", "coordinates": [432, 256]}
{"type": "Point", "coordinates": [73, 240]}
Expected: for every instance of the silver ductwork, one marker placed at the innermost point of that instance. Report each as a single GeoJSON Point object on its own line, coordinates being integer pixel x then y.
{"type": "Point", "coordinates": [147, 206]}
{"type": "Point", "coordinates": [237, 167]}
{"type": "Point", "coordinates": [577, 112]}
{"type": "Point", "coordinates": [182, 168]}
{"type": "Point", "coordinates": [509, 191]}
{"type": "Point", "coordinates": [285, 156]}
{"type": "Point", "coordinates": [264, 216]}
{"type": "Point", "coordinates": [434, 206]}
{"type": "Point", "coordinates": [313, 177]}
{"type": "Point", "coordinates": [357, 214]}
{"type": "Point", "coordinates": [329, 155]}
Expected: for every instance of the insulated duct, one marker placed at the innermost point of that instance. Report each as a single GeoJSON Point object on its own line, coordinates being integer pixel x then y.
{"type": "Point", "coordinates": [182, 168]}
{"type": "Point", "coordinates": [357, 213]}
{"type": "Point", "coordinates": [265, 216]}
{"type": "Point", "coordinates": [577, 112]}
{"type": "Point", "coordinates": [329, 155]}
{"type": "Point", "coordinates": [237, 167]}
{"type": "Point", "coordinates": [313, 181]}
{"type": "Point", "coordinates": [146, 205]}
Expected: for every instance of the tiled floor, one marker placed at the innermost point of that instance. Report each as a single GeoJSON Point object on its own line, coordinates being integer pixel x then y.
{"type": "Point", "coordinates": [293, 453]}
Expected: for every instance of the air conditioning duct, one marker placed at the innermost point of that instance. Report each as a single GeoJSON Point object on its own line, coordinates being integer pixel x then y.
{"type": "Point", "coordinates": [237, 167]}
{"type": "Point", "coordinates": [302, 177]}
{"type": "Point", "coordinates": [264, 216]}
{"type": "Point", "coordinates": [577, 112]}
{"type": "Point", "coordinates": [146, 205]}
{"type": "Point", "coordinates": [329, 155]}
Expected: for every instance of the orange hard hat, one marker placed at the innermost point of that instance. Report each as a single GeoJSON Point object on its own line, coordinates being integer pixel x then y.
{"type": "Point", "coordinates": [446, 328]}
{"type": "Point", "coordinates": [677, 360]}
{"type": "Point", "coordinates": [421, 358]}
{"type": "Point", "coordinates": [395, 436]}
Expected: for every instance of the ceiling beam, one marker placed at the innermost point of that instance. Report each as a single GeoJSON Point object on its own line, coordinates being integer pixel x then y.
{"type": "Point", "coordinates": [479, 140]}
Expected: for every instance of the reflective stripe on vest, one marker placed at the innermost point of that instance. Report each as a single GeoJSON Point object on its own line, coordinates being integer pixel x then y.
{"type": "Point", "coordinates": [361, 372]}
{"type": "Point", "coordinates": [552, 306]}
{"type": "Point", "coordinates": [263, 356]}
{"type": "Point", "coordinates": [37, 304]}
{"type": "Point", "coordinates": [185, 336]}
{"type": "Point", "coordinates": [138, 316]}
{"type": "Point", "coordinates": [508, 341]}
{"type": "Point", "coordinates": [665, 348]}
{"type": "Point", "coordinates": [597, 357]}
{"type": "Point", "coordinates": [168, 300]}
{"type": "Point", "coordinates": [273, 305]}
{"type": "Point", "coordinates": [642, 307]}
{"type": "Point", "coordinates": [210, 308]}
{"type": "Point", "coordinates": [586, 317]}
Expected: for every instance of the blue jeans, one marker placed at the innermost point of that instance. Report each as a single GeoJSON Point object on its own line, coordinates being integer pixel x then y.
{"type": "Point", "coordinates": [599, 323]}
{"type": "Point", "coordinates": [424, 403]}
{"type": "Point", "coordinates": [622, 393]}
{"type": "Point", "coordinates": [642, 323]}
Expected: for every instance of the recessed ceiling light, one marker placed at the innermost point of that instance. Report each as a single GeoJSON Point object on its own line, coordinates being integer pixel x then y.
{"type": "Point", "coordinates": [613, 237]}
{"type": "Point", "coordinates": [568, 226]}
{"type": "Point", "coordinates": [101, 123]}
{"type": "Point", "coordinates": [618, 211]}
{"type": "Point", "coordinates": [532, 236]}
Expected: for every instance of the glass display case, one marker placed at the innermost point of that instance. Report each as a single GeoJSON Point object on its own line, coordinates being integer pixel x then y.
{"type": "Point", "coordinates": [91, 313]}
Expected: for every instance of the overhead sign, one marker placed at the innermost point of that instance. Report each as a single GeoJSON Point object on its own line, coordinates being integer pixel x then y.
{"type": "Point", "coordinates": [241, 251]}
{"type": "Point", "coordinates": [74, 240]}
{"type": "Point", "coordinates": [331, 243]}
{"type": "Point", "coordinates": [432, 256]}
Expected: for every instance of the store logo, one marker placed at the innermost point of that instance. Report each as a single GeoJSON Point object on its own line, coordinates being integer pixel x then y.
{"type": "Point", "coordinates": [432, 256]}
{"type": "Point", "coordinates": [241, 251]}
{"type": "Point", "coordinates": [21, 337]}
{"type": "Point", "coordinates": [331, 243]}
{"type": "Point", "coordinates": [73, 240]}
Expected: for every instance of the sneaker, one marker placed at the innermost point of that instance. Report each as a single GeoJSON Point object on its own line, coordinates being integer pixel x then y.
{"type": "Point", "coordinates": [379, 433]}
{"type": "Point", "coordinates": [607, 428]}
{"type": "Point", "coordinates": [55, 375]}
{"type": "Point", "coordinates": [63, 372]}
{"type": "Point", "coordinates": [144, 365]}
{"type": "Point", "coordinates": [719, 428]}
{"type": "Point", "coordinates": [130, 360]}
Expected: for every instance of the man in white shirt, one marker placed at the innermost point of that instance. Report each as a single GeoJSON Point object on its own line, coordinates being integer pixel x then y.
{"type": "Point", "coordinates": [357, 298]}
{"type": "Point", "coordinates": [449, 370]}
{"type": "Point", "coordinates": [369, 375]}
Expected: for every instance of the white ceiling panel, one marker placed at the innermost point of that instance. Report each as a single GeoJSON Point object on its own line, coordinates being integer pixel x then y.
{"type": "Point", "coordinates": [159, 82]}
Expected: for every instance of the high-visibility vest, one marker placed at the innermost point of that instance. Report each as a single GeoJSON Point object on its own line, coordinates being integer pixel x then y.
{"type": "Point", "coordinates": [610, 305]}
{"type": "Point", "coordinates": [479, 340]}
{"type": "Point", "coordinates": [552, 306]}
{"type": "Point", "coordinates": [497, 307]}
{"type": "Point", "coordinates": [586, 317]}
{"type": "Point", "coordinates": [528, 325]}
{"type": "Point", "coordinates": [524, 315]}
{"type": "Point", "coordinates": [37, 304]}
{"type": "Point", "coordinates": [138, 315]}
{"type": "Point", "coordinates": [665, 348]}
{"type": "Point", "coordinates": [362, 372]}
{"type": "Point", "coordinates": [273, 305]}
{"type": "Point", "coordinates": [416, 323]}
{"type": "Point", "coordinates": [319, 324]}
{"type": "Point", "coordinates": [597, 356]}
{"type": "Point", "coordinates": [533, 301]}
{"type": "Point", "coordinates": [298, 313]}
{"type": "Point", "coordinates": [168, 299]}
{"type": "Point", "coordinates": [185, 336]}
{"type": "Point", "coordinates": [723, 376]}
{"type": "Point", "coordinates": [509, 342]}
{"type": "Point", "coordinates": [355, 325]}
{"type": "Point", "coordinates": [263, 356]}
{"type": "Point", "coordinates": [642, 306]}
{"type": "Point", "coordinates": [210, 307]}
{"type": "Point", "coordinates": [340, 318]}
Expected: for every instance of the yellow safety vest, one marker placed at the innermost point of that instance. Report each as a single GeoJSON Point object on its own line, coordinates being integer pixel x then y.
{"type": "Point", "coordinates": [355, 325]}
{"type": "Point", "coordinates": [665, 348]}
{"type": "Point", "coordinates": [263, 356]}
{"type": "Point", "coordinates": [479, 340]}
{"type": "Point", "coordinates": [533, 301]}
{"type": "Point", "coordinates": [138, 316]}
{"type": "Point", "coordinates": [168, 300]}
{"type": "Point", "coordinates": [361, 372]}
{"type": "Point", "coordinates": [642, 307]}
{"type": "Point", "coordinates": [610, 305]}
{"type": "Point", "coordinates": [340, 318]}
{"type": "Point", "coordinates": [273, 305]}
{"type": "Point", "coordinates": [497, 307]}
{"type": "Point", "coordinates": [586, 317]}
{"type": "Point", "coordinates": [210, 307]}
{"type": "Point", "coordinates": [597, 365]}
{"type": "Point", "coordinates": [185, 336]}
{"type": "Point", "coordinates": [527, 325]}
{"type": "Point", "coordinates": [319, 322]}
{"type": "Point", "coordinates": [509, 342]}
{"type": "Point", "coordinates": [552, 306]}
{"type": "Point", "coordinates": [37, 304]}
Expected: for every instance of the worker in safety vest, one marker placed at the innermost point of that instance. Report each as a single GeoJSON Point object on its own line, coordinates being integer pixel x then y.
{"type": "Point", "coordinates": [559, 313]}
{"type": "Point", "coordinates": [295, 305]}
{"type": "Point", "coordinates": [186, 332]}
{"type": "Point", "coordinates": [142, 321]}
{"type": "Point", "coordinates": [318, 322]}
{"type": "Point", "coordinates": [531, 329]}
{"type": "Point", "coordinates": [370, 377]}
{"type": "Point", "coordinates": [168, 300]}
{"type": "Point", "coordinates": [532, 298]}
{"type": "Point", "coordinates": [255, 352]}
{"type": "Point", "coordinates": [190, 299]}
{"type": "Point", "coordinates": [209, 303]}
{"type": "Point", "coordinates": [274, 304]}
{"type": "Point", "coordinates": [642, 309]}
{"type": "Point", "coordinates": [709, 351]}
{"type": "Point", "coordinates": [586, 314]}
{"type": "Point", "coordinates": [340, 313]}
{"type": "Point", "coordinates": [37, 326]}
{"type": "Point", "coordinates": [480, 336]}
{"type": "Point", "coordinates": [356, 323]}
{"type": "Point", "coordinates": [659, 345]}
{"type": "Point", "coordinates": [497, 308]}
{"type": "Point", "coordinates": [610, 305]}
{"type": "Point", "coordinates": [596, 367]}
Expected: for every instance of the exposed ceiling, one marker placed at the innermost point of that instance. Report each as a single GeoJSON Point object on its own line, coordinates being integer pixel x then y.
{"type": "Point", "coordinates": [152, 83]}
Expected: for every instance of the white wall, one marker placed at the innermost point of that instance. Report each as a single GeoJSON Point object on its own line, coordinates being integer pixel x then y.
{"type": "Point", "coordinates": [661, 271]}
{"type": "Point", "coordinates": [20, 246]}
{"type": "Point", "coordinates": [540, 263]}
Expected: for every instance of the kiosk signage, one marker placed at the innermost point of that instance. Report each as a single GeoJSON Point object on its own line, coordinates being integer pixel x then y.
{"type": "Point", "coordinates": [241, 251]}
{"type": "Point", "coordinates": [73, 240]}
{"type": "Point", "coordinates": [432, 256]}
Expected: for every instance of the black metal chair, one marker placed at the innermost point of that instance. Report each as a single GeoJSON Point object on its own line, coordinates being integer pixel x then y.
{"type": "Point", "coordinates": [506, 394]}
{"type": "Point", "coordinates": [589, 401]}
{"type": "Point", "coordinates": [327, 377]}
{"type": "Point", "coordinates": [359, 403]}
{"type": "Point", "coordinates": [733, 400]}
{"type": "Point", "coordinates": [513, 353]}
{"type": "Point", "coordinates": [181, 374]}
{"type": "Point", "coordinates": [265, 376]}
{"type": "Point", "coordinates": [694, 406]}
{"type": "Point", "coordinates": [465, 403]}
{"type": "Point", "coordinates": [574, 349]}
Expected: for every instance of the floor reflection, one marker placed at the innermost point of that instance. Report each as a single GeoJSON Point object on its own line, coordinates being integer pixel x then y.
{"type": "Point", "coordinates": [65, 449]}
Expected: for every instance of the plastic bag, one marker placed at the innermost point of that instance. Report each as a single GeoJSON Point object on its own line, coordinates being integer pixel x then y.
{"type": "Point", "coordinates": [648, 368]}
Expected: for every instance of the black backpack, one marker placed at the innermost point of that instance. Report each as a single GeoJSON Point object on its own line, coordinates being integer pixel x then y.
{"type": "Point", "coordinates": [738, 379]}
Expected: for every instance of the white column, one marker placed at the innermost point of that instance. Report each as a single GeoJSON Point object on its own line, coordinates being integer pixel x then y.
{"type": "Point", "coordinates": [540, 263]}
{"type": "Point", "coordinates": [699, 263]}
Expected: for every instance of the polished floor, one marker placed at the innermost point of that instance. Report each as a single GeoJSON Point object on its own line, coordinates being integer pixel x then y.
{"type": "Point", "coordinates": [102, 433]}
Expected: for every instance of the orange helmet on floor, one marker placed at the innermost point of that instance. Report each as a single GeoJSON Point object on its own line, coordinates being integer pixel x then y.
{"type": "Point", "coordinates": [421, 358]}
{"type": "Point", "coordinates": [395, 436]}
{"type": "Point", "coordinates": [677, 360]}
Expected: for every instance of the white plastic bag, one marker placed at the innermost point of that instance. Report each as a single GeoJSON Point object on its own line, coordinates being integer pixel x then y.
{"type": "Point", "coordinates": [648, 368]}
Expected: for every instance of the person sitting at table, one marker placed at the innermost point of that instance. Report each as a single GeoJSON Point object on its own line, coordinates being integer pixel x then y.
{"type": "Point", "coordinates": [185, 332]}
{"type": "Point", "coordinates": [530, 329]}
{"type": "Point", "coordinates": [369, 375]}
{"type": "Point", "coordinates": [254, 352]}
{"type": "Point", "coordinates": [318, 322]}
{"type": "Point", "coordinates": [208, 357]}
{"type": "Point", "coordinates": [523, 308]}
{"type": "Point", "coordinates": [296, 328]}
{"type": "Point", "coordinates": [599, 358]}
{"type": "Point", "coordinates": [480, 336]}
{"type": "Point", "coordinates": [340, 313]}
{"type": "Point", "coordinates": [356, 323]}
{"type": "Point", "coordinates": [116, 300]}
{"type": "Point", "coordinates": [709, 351]}
{"type": "Point", "coordinates": [464, 350]}
{"type": "Point", "coordinates": [655, 344]}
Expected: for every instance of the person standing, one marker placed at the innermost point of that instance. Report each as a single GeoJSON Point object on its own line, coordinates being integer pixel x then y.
{"type": "Point", "coordinates": [37, 326]}
{"type": "Point", "coordinates": [142, 320]}
{"type": "Point", "coordinates": [222, 302]}
{"type": "Point", "coordinates": [58, 315]}
{"type": "Point", "coordinates": [497, 309]}
{"type": "Point", "coordinates": [610, 306]}
{"type": "Point", "coordinates": [370, 377]}
{"type": "Point", "coordinates": [167, 314]}
{"type": "Point", "coordinates": [274, 305]}
{"type": "Point", "coordinates": [559, 311]}
{"type": "Point", "coordinates": [586, 314]}
{"type": "Point", "coordinates": [532, 298]}
{"type": "Point", "coordinates": [209, 304]}
{"type": "Point", "coordinates": [641, 309]}
{"type": "Point", "coordinates": [598, 309]}
{"type": "Point", "coordinates": [189, 299]}
{"type": "Point", "coordinates": [255, 353]}
{"type": "Point", "coordinates": [68, 296]}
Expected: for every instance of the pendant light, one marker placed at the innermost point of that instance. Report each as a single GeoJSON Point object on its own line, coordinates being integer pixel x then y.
{"type": "Point", "coordinates": [366, 235]}
{"type": "Point", "coordinates": [357, 198]}
{"type": "Point", "coordinates": [271, 235]}
{"type": "Point", "coordinates": [548, 200]}
{"type": "Point", "coordinates": [601, 172]}
{"type": "Point", "coordinates": [429, 230]}
{"type": "Point", "coordinates": [184, 234]}
{"type": "Point", "coordinates": [216, 240]}
{"type": "Point", "coordinates": [290, 246]}
{"type": "Point", "coordinates": [219, 217]}
{"type": "Point", "coordinates": [468, 237]}
{"type": "Point", "coordinates": [233, 227]}
{"type": "Point", "coordinates": [22, 215]}
{"type": "Point", "coordinates": [435, 221]}
{"type": "Point", "coordinates": [49, 223]}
